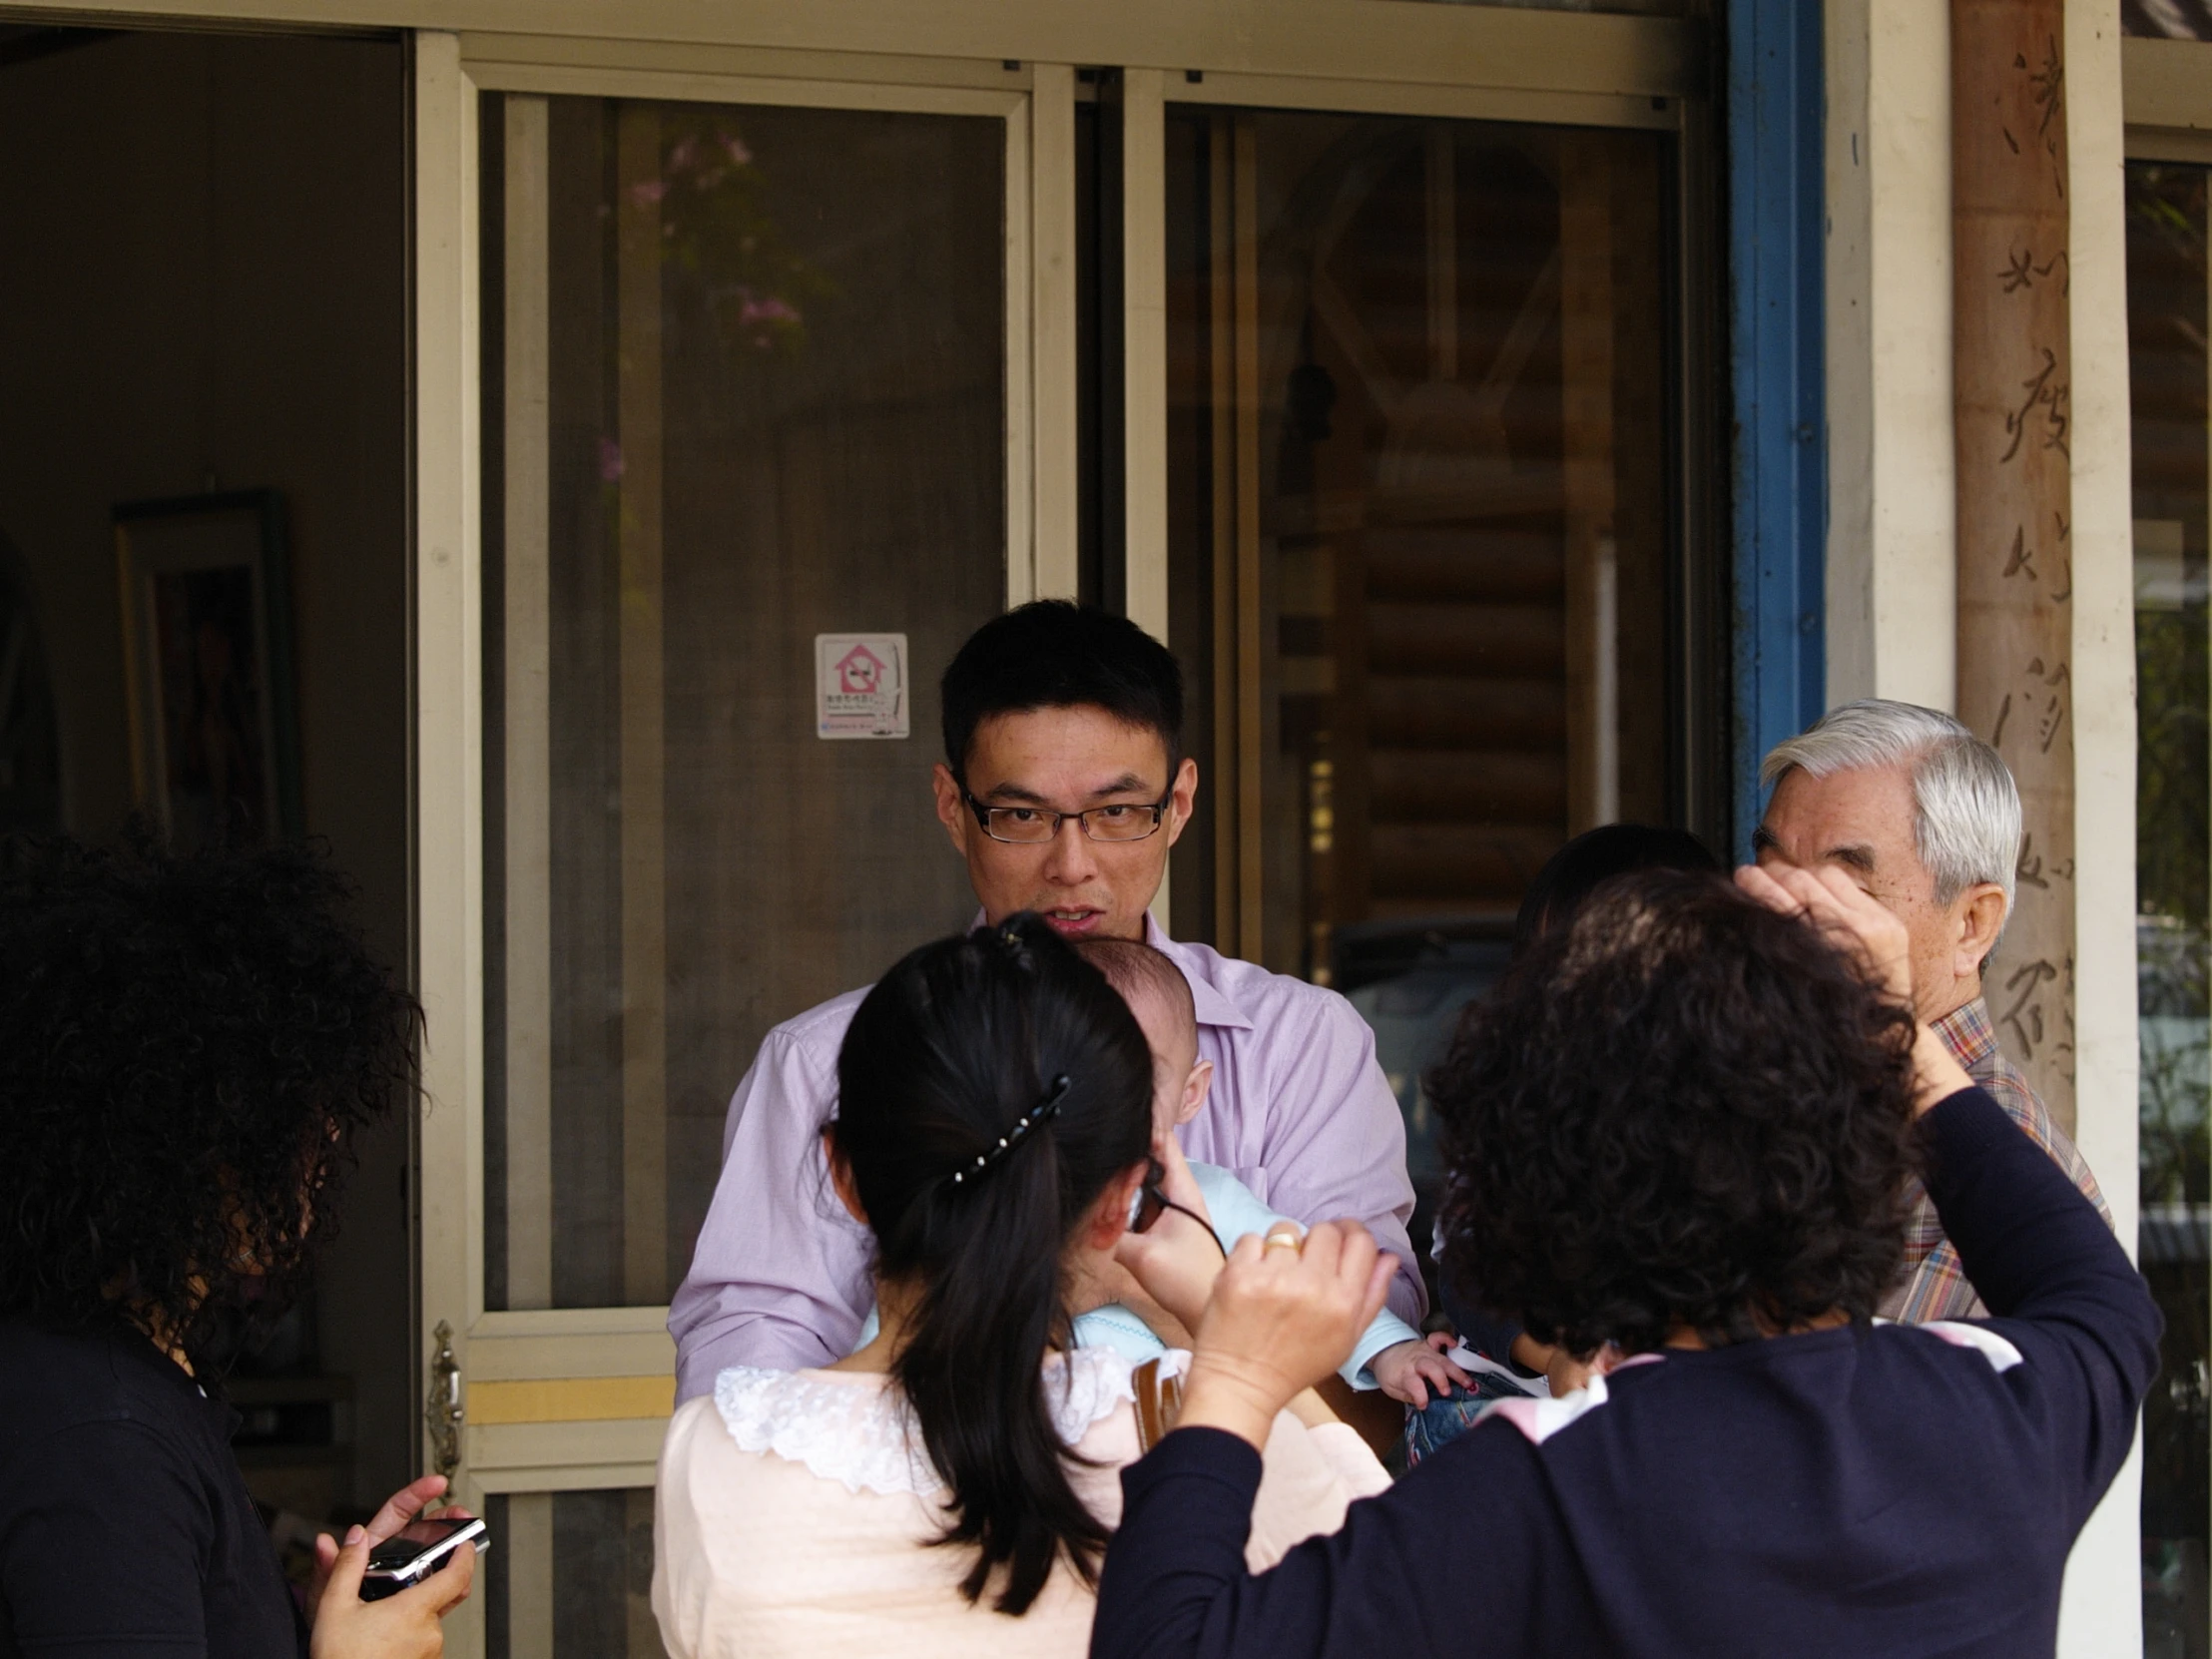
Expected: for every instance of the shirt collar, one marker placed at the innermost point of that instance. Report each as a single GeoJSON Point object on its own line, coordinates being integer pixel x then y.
{"type": "Point", "coordinates": [1968, 1033]}
{"type": "Point", "coordinates": [1213, 1007]}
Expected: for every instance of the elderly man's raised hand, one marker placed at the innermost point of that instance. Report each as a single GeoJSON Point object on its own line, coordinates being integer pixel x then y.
{"type": "Point", "coordinates": [1838, 905]}
{"type": "Point", "coordinates": [1283, 1315]}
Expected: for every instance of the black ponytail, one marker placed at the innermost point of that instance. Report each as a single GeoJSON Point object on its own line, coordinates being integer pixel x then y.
{"type": "Point", "coordinates": [1005, 1034]}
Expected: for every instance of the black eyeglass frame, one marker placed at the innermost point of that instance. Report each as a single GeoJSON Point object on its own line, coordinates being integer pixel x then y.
{"type": "Point", "coordinates": [1152, 1204]}
{"type": "Point", "coordinates": [1158, 808]}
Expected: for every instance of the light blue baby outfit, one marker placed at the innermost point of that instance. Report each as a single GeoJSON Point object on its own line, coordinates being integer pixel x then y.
{"type": "Point", "coordinates": [1234, 1213]}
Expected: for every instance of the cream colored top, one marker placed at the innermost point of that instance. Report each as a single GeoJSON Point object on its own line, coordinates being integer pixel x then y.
{"type": "Point", "coordinates": [794, 1511]}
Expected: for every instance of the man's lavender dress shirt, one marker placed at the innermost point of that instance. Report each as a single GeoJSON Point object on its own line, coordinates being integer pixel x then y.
{"type": "Point", "coordinates": [1299, 1113]}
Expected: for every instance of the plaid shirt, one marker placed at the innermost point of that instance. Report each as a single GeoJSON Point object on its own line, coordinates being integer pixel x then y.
{"type": "Point", "coordinates": [1935, 1284]}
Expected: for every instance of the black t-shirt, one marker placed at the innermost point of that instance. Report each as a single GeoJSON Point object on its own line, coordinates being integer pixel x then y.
{"type": "Point", "coordinates": [125, 1526]}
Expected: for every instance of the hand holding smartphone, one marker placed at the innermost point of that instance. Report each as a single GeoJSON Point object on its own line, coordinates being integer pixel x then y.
{"type": "Point", "coordinates": [361, 1600]}
{"type": "Point", "coordinates": [418, 1550]}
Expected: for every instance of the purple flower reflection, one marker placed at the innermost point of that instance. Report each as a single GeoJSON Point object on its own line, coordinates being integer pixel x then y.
{"type": "Point", "coordinates": [771, 310]}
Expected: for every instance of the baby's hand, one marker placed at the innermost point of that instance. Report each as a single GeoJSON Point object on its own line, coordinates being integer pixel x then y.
{"type": "Point", "coordinates": [1176, 1262]}
{"type": "Point", "coordinates": [1409, 1371]}
{"type": "Point", "coordinates": [1567, 1374]}
{"type": "Point", "coordinates": [1563, 1371]}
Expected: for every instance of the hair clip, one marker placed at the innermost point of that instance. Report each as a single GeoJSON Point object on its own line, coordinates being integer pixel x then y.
{"type": "Point", "coordinates": [1030, 1120]}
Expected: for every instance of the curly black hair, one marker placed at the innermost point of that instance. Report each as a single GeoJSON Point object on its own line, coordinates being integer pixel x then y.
{"type": "Point", "coordinates": [1681, 1110]}
{"type": "Point", "coordinates": [188, 1045]}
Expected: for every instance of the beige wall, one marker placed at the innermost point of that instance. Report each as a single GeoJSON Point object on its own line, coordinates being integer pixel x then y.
{"type": "Point", "coordinates": [217, 291]}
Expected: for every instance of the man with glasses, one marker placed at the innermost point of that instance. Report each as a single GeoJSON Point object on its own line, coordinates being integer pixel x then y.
{"type": "Point", "coordinates": [1063, 786]}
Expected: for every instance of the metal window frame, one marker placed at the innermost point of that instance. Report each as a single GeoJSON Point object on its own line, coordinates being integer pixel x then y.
{"type": "Point", "coordinates": [1705, 763]}
{"type": "Point", "coordinates": [578, 1399]}
{"type": "Point", "coordinates": [2167, 101]}
{"type": "Point", "coordinates": [1776, 98]}
{"type": "Point", "coordinates": [2166, 97]}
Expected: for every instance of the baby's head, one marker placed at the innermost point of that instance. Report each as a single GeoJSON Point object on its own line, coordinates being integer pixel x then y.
{"type": "Point", "coordinates": [1160, 997]}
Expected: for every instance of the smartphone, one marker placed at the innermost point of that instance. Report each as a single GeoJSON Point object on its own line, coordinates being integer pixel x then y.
{"type": "Point", "coordinates": [416, 1551]}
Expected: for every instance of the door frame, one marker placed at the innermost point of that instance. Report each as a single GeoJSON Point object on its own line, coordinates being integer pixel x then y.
{"type": "Point", "coordinates": [565, 1399]}
{"type": "Point", "coordinates": [570, 1400]}
{"type": "Point", "coordinates": [2167, 101]}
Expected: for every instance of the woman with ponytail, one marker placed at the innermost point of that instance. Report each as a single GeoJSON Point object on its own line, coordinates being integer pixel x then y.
{"type": "Point", "coordinates": [950, 1488]}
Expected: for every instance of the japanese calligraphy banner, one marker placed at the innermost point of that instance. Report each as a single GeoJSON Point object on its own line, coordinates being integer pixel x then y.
{"type": "Point", "coordinates": [2013, 374]}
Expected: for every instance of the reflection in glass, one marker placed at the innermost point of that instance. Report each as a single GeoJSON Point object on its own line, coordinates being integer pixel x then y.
{"type": "Point", "coordinates": [30, 736]}
{"type": "Point", "coordinates": [2170, 312]}
{"type": "Point", "coordinates": [745, 383]}
{"type": "Point", "coordinates": [570, 1576]}
{"type": "Point", "coordinates": [1417, 536]}
{"type": "Point", "coordinates": [2168, 19]}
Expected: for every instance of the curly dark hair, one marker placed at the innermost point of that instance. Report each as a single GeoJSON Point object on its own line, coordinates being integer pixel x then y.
{"type": "Point", "coordinates": [188, 1045]}
{"type": "Point", "coordinates": [1681, 1110]}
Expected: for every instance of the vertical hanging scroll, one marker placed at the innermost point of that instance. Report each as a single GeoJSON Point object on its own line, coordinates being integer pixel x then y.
{"type": "Point", "coordinates": [2015, 563]}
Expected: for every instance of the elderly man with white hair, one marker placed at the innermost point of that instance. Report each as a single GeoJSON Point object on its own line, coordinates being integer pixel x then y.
{"type": "Point", "coordinates": [1925, 818]}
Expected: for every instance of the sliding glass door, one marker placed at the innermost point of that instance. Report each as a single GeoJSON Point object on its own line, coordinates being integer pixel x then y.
{"type": "Point", "coordinates": [751, 394]}
{"type": "Point", "coordinates": [1420, 535]}
{"type": "Point", "coordinates": [749, 384]}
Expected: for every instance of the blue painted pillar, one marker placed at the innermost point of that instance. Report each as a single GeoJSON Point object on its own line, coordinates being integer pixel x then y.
{"type": "Point", "coordinates": [1776, 339]}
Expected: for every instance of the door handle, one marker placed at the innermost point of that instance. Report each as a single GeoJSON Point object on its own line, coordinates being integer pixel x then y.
{"type": "Point", "coordinates": [441, 1408]}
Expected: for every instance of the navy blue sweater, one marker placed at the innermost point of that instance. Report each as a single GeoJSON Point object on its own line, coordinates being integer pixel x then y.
{"type": "Point", "coordinates": [1895, 1490]}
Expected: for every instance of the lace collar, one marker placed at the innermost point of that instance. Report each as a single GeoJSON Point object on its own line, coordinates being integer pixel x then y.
{"type": "Point", "coordinates": [860, 1430]}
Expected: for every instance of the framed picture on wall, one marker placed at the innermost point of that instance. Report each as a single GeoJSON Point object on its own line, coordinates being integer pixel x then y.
{"type": "Point", "coordinates": [208, 653]}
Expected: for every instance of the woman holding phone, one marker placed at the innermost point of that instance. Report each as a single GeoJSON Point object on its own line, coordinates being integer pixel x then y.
{"type": "Point", "coordinates": [188, 1046]}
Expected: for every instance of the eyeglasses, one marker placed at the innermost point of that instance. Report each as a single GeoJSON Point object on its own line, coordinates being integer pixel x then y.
{"type": "Point", "coordinates": [1150, 1203]}
{"type": "Point", "coordinates": [1034, 826]}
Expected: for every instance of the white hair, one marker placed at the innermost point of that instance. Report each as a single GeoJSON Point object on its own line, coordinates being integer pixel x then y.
{"type": "Point", "coordinates": [1967, 808]}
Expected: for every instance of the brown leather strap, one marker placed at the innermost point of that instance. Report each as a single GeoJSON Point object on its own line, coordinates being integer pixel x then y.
{"type": "Point", "coordinates": [1159, 1403]}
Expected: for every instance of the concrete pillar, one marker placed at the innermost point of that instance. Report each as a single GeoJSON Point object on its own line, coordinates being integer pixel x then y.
{"type": "Point", "coordinates": [1891, 540]}
{"type": "Point", "coordinates": [2102, 1610]}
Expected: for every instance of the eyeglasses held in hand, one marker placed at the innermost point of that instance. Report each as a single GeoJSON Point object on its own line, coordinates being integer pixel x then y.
{"type": "Point", "coordinates": [1152, 1204]}
{"type": "Point", "coordinates": [1034, 826]}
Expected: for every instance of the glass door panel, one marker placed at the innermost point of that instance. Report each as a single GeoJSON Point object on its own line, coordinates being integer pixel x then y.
{"type": "Point", "coordinates": [744, 384]}
{"type": "Point", "coordinates": [2169, 316]}
{"type": "Point", "coordinates": [1418, 535]}
{"type": "Point", "coordinates": [571, 1576]}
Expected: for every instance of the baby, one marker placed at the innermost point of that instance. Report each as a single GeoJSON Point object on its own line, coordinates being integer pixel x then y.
{"type": "Point", "coordinates": [1390, 1355]}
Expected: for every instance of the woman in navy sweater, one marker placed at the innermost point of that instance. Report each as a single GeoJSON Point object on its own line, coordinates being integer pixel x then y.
{"type": "Point", "coordinates": [1683, 1127]}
